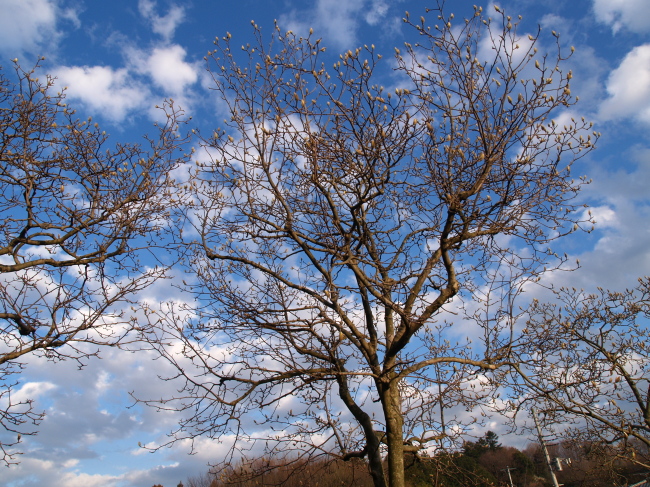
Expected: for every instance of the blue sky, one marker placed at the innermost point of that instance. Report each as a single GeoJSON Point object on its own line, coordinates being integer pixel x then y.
{"type": "Point", "coordinates": [121, 58]}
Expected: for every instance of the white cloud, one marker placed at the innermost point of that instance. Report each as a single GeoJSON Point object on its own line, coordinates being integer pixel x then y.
{"type": "Point", "coordinates": [103, 89]}
{"type": "Point", "coordinates": [604, 216]}
{"type": "Point", "coordinates": [53, 474]}
{"type": "Point", "coordinates": [71, 15]}
{"type": "Point", "coordinates": [557, 23]}
{"type": "Point", "coordinates": [164, 25]}
{"type": "Point", "coordinates": [628, 87]}
{"type": "Point", "coordinates": [621, 254]}
{"type": "Point", "coordinates": [377, 11]}
{"type": "Point", "coordinates": [47, 473]}
{"type": "Point", "coordinates": [616, 254]}
{"type": "Point", "coordinates": [31, 27]}
{"type": "Point", "coordinates": [169, 70]}
{"type": "Point", "coordinates": [32, 390]}
{"type": "Point", "coordinates": [336, 20]}
{"type": "Point", "coordinates": [27, 26]}
{"type": "Point", "coordinates": [74, 479]}
{"type": "Point", "coordinates": [624, 14]}
{"type": "Point", "coordinates": [116, 93]}
{"type": "Point", "coordinates": [86, 411]}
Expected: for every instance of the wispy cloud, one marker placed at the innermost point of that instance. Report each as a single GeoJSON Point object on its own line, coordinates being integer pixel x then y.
{"type": "Point", "coordinates": [376, 12]}
{"type": "Point", "coordinates": [163, 25]}
{"type": "Point", "coordinates": [629, 15]}
{"type": "Point", "coordinates": [337, 21]}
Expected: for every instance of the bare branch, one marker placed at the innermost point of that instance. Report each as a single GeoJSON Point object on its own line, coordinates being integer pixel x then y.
{"type": "Point", "coordinates": [77, 218]}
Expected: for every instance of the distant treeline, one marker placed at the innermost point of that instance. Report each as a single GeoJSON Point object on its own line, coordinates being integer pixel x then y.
{"type": "Point", "coordinates": [483, 463]}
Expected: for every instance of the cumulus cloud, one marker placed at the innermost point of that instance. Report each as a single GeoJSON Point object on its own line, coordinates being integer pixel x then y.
{"type": "Point", "coordinates": [167, 68]}
{"type": "Point", "coordinates": [30, 26]}
{"type": "Point", "coordinates": [163, 25]}
{"type": "Point", "coordinates": [623, 14]}
{"type": "Point", "coordinates": [605, 216]}
{"type": "Point", "coordinates": [32, 390]}
{"type": "Point", "coordinates": [148, 76]}
{"type": "Point", "coordinates": [628, 87]}
{"type": "Point", "coordinates": [103, 89]}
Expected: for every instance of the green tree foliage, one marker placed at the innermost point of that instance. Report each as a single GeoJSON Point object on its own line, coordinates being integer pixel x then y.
{"type": "Point", "coordinates": [488, 442]}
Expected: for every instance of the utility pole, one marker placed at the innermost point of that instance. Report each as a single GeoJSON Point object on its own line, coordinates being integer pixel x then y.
{"type": "Point", "coordinates": [507, 469]}
{"type": "Point", "coordinates": [543, 443]}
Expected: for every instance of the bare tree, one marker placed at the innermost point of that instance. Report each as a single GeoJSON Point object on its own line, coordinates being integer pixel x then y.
{"type": "Point", "coordinates": [343, 229]}
{"type": "Point", "coordinates": [76, 218]}
{"type": "Point", "coordinates": [584, 361]}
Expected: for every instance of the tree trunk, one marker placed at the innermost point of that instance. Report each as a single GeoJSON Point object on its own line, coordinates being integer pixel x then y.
{"type": "Point", "coordinates": [375, 464]}
{"type": "Point", "coordinates": [394, 434]}
{"type": "Point", "coordinates": [373, 444]}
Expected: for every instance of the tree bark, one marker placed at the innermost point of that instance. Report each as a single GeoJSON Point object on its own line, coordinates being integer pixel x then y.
{"type": "Point", "coordinates": [375, 464]}
{"type": "Point", "coordinates": [392, 404]}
